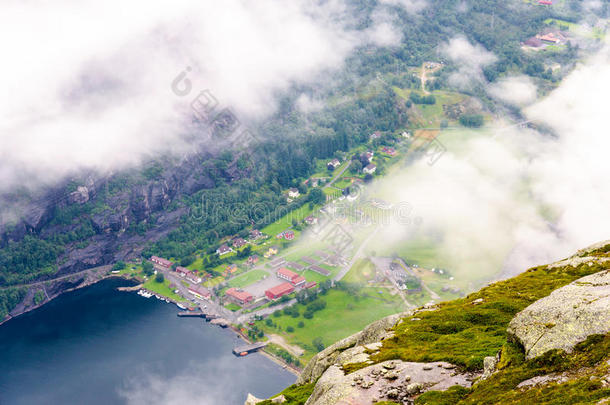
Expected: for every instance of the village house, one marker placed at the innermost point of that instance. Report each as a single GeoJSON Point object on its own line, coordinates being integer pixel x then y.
{"type": "Point", "coordinates": [252, 260]}
{"type": "Point", "coordinates": [200, 292]}
{"type": "Point", "coordinates": [293, 192]}
{"type": "Point", "coordinates": [161, 261]}
{"type": "Point", "coordinates": [389, 150]}
{"type": "Point", "coordinates": [375, 135]}
{"type": "Point", "coordinates": [406, 134]}
{"type": "Point", "coordinates": [279, 290]}
{"type": "Point", "coordinates": [552, 38]}
{"type": "Point", "coordinates": [311, 284]}
{"type": "Point", "coordinates": [368, 156]}
{"type": "Point", "coordinates": [255, 234]}
{"type": "Point", "coordinates": [370, 168]}
{"type": "Point", "coordinates": [238, 242]}
{"type": "Point", "coordinates": [271, 251]}
{"type": "Point", "coordinates": [290, 276]}
{"type": "Point", "coordinates": [239, 297]}
{"type": "Point", "coordinates": [311, 220]}
{"type": "Point", "coordinates": [333, 164]}
{"type": "Point", "coordinates": [230, 269]}
{"type": "Point", "coordinates": [223, 250]}
{"type": "Point", "coordinates": [289, 235]}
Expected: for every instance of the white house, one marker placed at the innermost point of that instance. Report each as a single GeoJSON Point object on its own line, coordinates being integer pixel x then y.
{"type": "Point", "coordinates": [293, 193]}
{"type": "Point", "coordinates": [370, 169]}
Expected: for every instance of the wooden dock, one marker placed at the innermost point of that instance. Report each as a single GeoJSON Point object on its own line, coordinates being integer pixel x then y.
{"type": "Point", "coordinates": [247, 349]}
{"type": "Point", "coordinates": [198, 314]}
{"type": "Point", "coordinates": [191, 314]}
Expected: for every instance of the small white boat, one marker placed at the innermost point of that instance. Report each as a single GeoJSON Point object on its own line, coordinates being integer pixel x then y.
{"type": "Point", "coordinates": [144, 294]}
{"type": "Point", "coordinates": [180, 306]}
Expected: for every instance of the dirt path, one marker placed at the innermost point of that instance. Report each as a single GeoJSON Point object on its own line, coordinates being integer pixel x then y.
{"type": "Point", "coordinates": [424, 77]}
{"type": "Point", "coordinates": [292, 349]}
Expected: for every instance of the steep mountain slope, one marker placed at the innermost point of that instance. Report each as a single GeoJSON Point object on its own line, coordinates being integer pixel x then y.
{"type": "Point", "coordinates": [478, 350]}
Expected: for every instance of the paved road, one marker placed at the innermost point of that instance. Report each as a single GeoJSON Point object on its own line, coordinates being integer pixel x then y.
{"type": "Point", "coordinates": [338, 174]}
{"type": "Point", "coordinates": [359, 254]}
{"type": "Point", "coordinates": [104, 268]}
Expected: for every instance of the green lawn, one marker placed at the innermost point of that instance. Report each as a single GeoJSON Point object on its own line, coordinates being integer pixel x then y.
{"type": "Point", "coordinates": [362, 271]}
{"type": "Point", "coordinates": [162, 289]}
{"type": "Point", "coordinates": [232, 307]}
{"type": "Point", "coordinates": [343, 316]}
{"type": "Point", "coordinates": [285, 222]}
{"type": "Point", "coordinates": [248, 278]}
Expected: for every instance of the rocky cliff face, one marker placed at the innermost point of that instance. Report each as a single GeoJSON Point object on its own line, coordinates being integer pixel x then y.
{"type": "Point", "coordinates": [119, 204]}
{"type": "Point", "coordinates": [555, 345]}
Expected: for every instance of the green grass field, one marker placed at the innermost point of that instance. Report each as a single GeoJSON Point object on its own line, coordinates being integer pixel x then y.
{"type": "Point", "coordinates": [248, 278]}
{"type": "Point", "coordinates": [285, 222]}
{"type": "Point", "coordinates": [362, 271]}
{"type": "Point", "coordinates": [343, 316]}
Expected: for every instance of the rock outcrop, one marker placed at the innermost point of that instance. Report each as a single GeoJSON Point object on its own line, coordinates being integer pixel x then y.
{"type": "Point", "coordinates": [392, 380]}
{"type": "Point", "coordinates": [373, 333]}
{"type": "Point", "coordinates": [566, 317]}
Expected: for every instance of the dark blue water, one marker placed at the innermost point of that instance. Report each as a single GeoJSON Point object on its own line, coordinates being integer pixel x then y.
{"type": "Point", "coordinates": [101, 346]}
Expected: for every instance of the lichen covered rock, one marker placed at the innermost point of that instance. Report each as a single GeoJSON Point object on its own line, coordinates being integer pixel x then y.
{"type": "Point", "coordinates": [565, 317]}
{"type": "Point", "coordinates": [392, 380]}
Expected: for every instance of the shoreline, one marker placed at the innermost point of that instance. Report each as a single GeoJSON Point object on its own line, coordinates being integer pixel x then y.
{"type": "Point", "coordinates": [278, 360]}
{"type": "Point", "coordinates": [85, 284]}
{"type": "Point", "coordinates": [138, 286]}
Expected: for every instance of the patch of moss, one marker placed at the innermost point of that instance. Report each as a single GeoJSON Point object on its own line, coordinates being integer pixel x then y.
{"type": "Point", "coordinates": [295, 394]}
{"type": "Point", "coordinates": [465, 331]}
{"type": "Point", "coordinates": [450, 397]}
{"type": "Point", "coordinates": [584, 367]}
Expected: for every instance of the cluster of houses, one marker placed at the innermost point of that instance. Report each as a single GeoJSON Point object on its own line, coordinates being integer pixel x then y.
{"type": "Point", "coordinates": [196, 290]}
{"type": "Point", "coordinates": [288, 235]}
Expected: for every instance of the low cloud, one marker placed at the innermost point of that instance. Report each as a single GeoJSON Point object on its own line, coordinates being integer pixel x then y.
{"type": "Point", "coordinates": [470, 59]}
{"type": "Point", "coordinates": [516, 90]}
{"type": "Point", "coordinates": [507, 198]}
{"type": "Point", "coordinates": [79, 94]}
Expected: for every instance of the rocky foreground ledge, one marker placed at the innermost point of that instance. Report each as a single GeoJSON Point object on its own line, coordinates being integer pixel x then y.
{"type": "Point", "coordinates": [538, 337]}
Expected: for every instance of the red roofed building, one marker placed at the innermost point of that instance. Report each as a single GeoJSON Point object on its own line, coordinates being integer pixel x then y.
{"type": "Point", "coordinates": [290, 276]}
{"type": "Point", "coordinates": [289, 235]}
{"type": "Point", "coordinates": [161, 261]}
{"type": "Point", "coordinates": [311, 284]}
{"type": "Point", "coordinates": [279, 290]}
{"type": "Point", "coordinates": [200, 292]}
{"type": "Point", "coordinates": [389, 150]}
{"type": "Point", "coordinates": [238, 242]}
{"type": "Point", "coordinates": [183, 271]}
{"type": "Point", "coordinates": [240, 297]}
{"type": "Point", "coordinates": [545, 2]}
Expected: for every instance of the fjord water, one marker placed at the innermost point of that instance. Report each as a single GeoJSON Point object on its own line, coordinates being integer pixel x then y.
{"type": "Point", "coordinates": [100, 346]}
